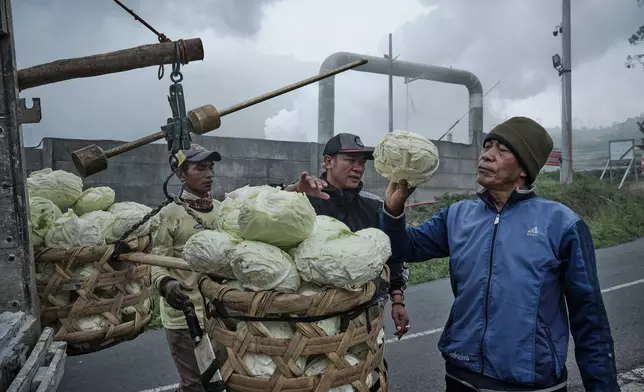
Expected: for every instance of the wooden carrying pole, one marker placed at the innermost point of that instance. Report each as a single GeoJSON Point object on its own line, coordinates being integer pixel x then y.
{"type": "Point", "coordinates": [108, 63]}
{"type": "Point", "coordinates": [159, 261]}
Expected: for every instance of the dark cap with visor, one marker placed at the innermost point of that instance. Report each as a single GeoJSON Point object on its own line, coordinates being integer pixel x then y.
{"type": "Point", "coordinates": [347, 143]}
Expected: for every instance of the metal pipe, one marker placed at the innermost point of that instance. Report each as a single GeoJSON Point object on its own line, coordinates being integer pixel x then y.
{"type": "Point", "coordinates": [326, 104]}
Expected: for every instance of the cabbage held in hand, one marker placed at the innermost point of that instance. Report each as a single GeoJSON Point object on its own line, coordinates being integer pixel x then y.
{"type": "Point", "coordinates": [277, 217]}
{"type": "Point", "coordinates": [209, 251]}
{"type": "Point", "coordinates": [42, 214]}
{"type": "Point", "coordinates": [403, 155]}
{"type": "Point", "coordinates": [61, 187]}
{"type": "Point", "coordinates": [70, 231]}
{"type": "Point", "coordinates": [126, 215]}
{"type": "Point", "coordinates": [260, 267]}
{"type": "Point", "coordinates": [343, 259]}
{"type": "Point", "coordinates": [94, 199]}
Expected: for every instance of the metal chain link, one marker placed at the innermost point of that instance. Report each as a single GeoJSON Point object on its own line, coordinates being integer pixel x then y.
{"type": "Point", "coordinates": [146, 218]}
{"type": "Point", "coordinates": [192, 213]}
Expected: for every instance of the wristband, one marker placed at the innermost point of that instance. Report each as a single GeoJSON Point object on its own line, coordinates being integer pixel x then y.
{"type": "Point", "coordinates": [397, 303]}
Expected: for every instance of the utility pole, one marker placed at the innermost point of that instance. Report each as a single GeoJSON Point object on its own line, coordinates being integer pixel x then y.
{"type": "Point", "coordinates": [391, 85]}
{"type": "Point", "coordinates": [17, 283]}
{"type": "Point", "coordinates": [566, 109]}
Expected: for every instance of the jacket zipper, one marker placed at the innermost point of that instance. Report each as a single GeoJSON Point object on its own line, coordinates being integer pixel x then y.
{"type": "Point", "coordinates": [552, 349]}
{"type": "Point", "coordinates": [487, 289]}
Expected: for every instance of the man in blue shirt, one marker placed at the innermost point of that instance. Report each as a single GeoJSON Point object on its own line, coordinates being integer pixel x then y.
{"type": "Point", "coordinates": [518, 264]}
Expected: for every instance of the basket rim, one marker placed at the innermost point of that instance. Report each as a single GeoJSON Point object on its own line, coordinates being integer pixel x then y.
{"type": "Point", "coordinates": [293, 303]}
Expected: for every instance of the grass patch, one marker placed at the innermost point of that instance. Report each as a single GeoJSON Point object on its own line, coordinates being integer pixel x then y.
{"type": "Point", "coordinates": [615, 216]}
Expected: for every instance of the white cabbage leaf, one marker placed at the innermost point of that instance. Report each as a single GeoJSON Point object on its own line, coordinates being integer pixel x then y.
{"type": "Point", "coordinates": [403, 155]}
{"type": "Point", "coordinates": [42, 214]}
{"type": "Point", "coordinates": [260, 267]}
{"type": "Point", "coordinates": [94, 199]}
{"type": "Point", "coordinates": [277, 217]}
{"type": "Point", "coordinates": [70, 231]}
{"type": "Point", "coordinates": [209, 251]}
{"type": "Point", "coordinates": [126, 215]}
{"type": "Point", "coordinates": [61, 187]}
{"type": "Point", "coordinates": [344, 259]}
{"type": "Point", "coordinates": [228, 212]}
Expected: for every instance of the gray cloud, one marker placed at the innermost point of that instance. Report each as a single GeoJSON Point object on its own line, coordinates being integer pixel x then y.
{"type": "Point", "coordinates": [509, 40]}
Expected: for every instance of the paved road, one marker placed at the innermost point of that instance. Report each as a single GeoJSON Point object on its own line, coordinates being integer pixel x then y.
{"type": "Point", "coordinates": [415, 364]}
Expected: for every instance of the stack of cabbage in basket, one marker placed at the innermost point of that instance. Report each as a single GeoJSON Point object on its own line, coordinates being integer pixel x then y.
{"type": "Point", "coordinates": [269, 239]}
{"type": "Point", "coordinates": [63, 215]}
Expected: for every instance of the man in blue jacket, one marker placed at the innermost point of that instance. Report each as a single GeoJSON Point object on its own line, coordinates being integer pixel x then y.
{"type": "Point", "coordinates": [516, 261]}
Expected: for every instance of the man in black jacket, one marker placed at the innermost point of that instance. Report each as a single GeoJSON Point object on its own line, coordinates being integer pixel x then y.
{"type": "Point", "coordinates": [338, 193]}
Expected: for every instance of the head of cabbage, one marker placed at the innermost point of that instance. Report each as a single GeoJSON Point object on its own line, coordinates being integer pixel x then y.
{"type": "Point", "coordinates": [94, 199]}
{"type": "Point", "coordinates": [228, 212]}
{"type": "Point", "coordinates": [61, 187]}
{"type": "Point", "coordinates": [70, 231]}
{"type": "Point", "coordinates": [277, 217]}
{"type": "Point", "coordinates": [403, 155]}
{"type": "Point", "coordinates": [42, 214]}
{"type": "Point", "coordinates": [343, 259]}
{"type": "Point", "coordinates": [209, 251]}
{"type": "Point", "coordinates": [261, 267]}
{"type": "Point", "coordinates": [126, 214]}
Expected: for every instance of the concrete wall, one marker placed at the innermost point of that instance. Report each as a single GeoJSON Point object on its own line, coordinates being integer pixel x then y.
{"type": "Point", "coordinates": [138, 175]}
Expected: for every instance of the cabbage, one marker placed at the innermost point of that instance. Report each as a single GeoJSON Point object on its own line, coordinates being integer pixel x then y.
{"type": "Point", "coordinates": [61, 187]}
{"type": "Point", "coordinates": [343, 259]}
{"type": "Point", "coordinates": [128, 312]}
{"type": "Point", "coordinates": [262, 365]}
{"type": "Point", "coordinates": [318, 366]}
{"type": "Point", "coordinates": [325, 223]}
{"type": "Point", "coordinates": [42, 214]}
{"type": "Point", "coordinates": [209, 251]}
{"type": "Point", "coordinates": [126, 215]}
{"type": "Point", "coordinates": [94, 199]}
{"type": "Point", "coordinates": [229, 208]}
{"type": "Point", "coordinates": [103, 219]}
{"type": "Point", "coordinates": [259, 267]}
{"type": "Point", "coordinates": [331, 325]}
{"type": "Point", "coordinates": [93, 323]}
{"type": "Point", "coordinates": [70, 231]}
{"type": "Point", "coordinates": [403, 155]}
{"type": "Point", "coordinates": [277, 217]}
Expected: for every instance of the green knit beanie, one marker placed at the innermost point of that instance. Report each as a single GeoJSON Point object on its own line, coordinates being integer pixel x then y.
{"type": "Point", "coordinates": [528, 141]}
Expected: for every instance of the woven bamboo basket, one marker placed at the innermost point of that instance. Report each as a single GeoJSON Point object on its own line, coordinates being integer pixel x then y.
{"type": "Point", "coordinates": [232, 343]}
{"type": "Point", "coordinates": [93, 308]}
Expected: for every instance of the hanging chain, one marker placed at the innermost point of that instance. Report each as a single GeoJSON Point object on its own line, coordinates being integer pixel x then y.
{"type": "Point", "coordinates": [154, 212]}
{"type": "Point", "coordinates": [160, 36]}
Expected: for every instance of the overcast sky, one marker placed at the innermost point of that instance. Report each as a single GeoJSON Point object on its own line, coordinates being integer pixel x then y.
{"type": "Point", "coordinates": [254, 46]}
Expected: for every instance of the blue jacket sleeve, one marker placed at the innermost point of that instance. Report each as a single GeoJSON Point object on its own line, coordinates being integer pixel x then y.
{"type": "Point", "coordinates": [416, 244]}
{"type": "Point", "coordinates": [594, 350]}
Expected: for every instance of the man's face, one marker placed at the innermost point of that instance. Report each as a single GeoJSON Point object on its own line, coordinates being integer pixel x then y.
{"type": "Point", "coordinates": [198, 177]}
{"type": "Point", "coordinates": [498, 167]}
{"type": "Point", "coordinates": [345, 170]}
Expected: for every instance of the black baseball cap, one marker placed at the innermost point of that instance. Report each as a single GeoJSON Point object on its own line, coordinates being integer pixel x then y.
{"type": "Point", "coordinates": [347, 143]}
{"type": "Point", "coordinates": [197, 153]}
